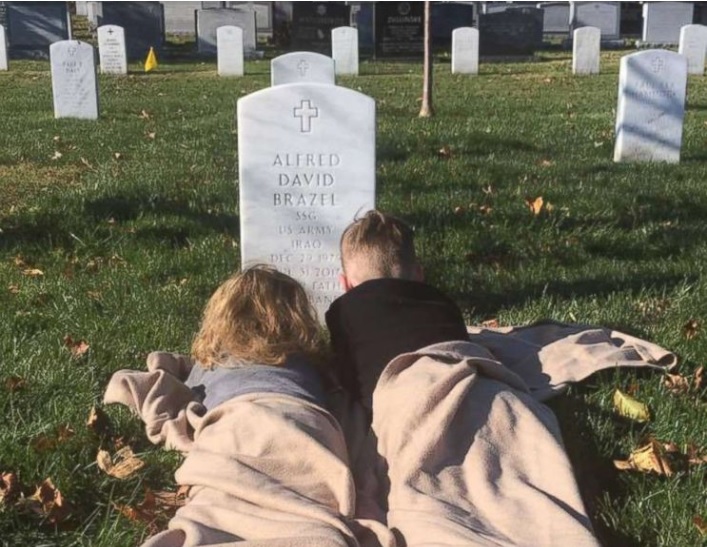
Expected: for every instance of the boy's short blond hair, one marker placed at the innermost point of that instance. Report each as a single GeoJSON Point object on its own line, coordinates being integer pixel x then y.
{"type": "Point", "coordinates": [377, 246]}
{"type": "Point", "coordinates": [258, 316]}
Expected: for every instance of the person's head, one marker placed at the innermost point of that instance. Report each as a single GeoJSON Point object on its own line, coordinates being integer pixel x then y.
{"type": "Point", "coordinates": [377, 246]}
{"type": "Point", "coordinates": [258, 315]}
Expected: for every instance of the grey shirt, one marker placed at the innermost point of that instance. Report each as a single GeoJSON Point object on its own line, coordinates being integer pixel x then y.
{"type": "Point", "coordinates": [297, 377]}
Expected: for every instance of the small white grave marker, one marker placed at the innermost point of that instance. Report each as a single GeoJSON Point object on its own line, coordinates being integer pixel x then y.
{"type": "Point", "coordinates": [301, 67]}
{"type": "Point", "coordinates": [344, 50]}
{"type": "Point", "coordinates": [74, 85]}
{"type": "Point", "coordinates": [111, 50]}
{"type": "Point", "coordinates": [586, 50]}
{"type": "Point", "coordinates": [229, 41]}
{"type": "Point", "coordinates": [306, 161]}
{"type": "Point", "coordinates": [3, 49]}
{"type": "Point", "coordinates": [693, 44]}
{"type": "Point", "coordinates": [465, 51]}
{"type": "Point", "coordinates": [651, 106]}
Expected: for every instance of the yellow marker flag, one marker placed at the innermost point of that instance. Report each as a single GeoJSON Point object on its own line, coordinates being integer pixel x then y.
{"type": "Point", "coordinates": [151, 61]}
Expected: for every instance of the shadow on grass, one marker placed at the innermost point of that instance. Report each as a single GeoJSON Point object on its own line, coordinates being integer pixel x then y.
{"type": "Point", "coordinates": [64, 230]}
{"type": "Point", "coordinates": [595, 473]}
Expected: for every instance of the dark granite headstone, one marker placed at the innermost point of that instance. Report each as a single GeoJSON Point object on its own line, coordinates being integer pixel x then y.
{"type": "Point", "coordinates": [143, 23]}
{"type": "Point", "coordinates": [517, 31]}
{"type": "Point", "coordinates": [399, 29]}
{"type": "Point", "coordinates": [312, 23]}
{"type": "Point", "coordinates": [446, 16]}
{"type": "Point", "coordinates": [362, 19]}
{"type": "Point", "coordinates": [33, 26]}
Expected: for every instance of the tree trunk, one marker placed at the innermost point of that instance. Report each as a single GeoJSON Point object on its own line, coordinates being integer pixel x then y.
{"type": "Point", "coordinates": [427, 110]}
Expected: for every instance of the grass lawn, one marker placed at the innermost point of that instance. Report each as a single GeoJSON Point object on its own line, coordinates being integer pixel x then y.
{"type": "Point", "coordinates": [115, 232]}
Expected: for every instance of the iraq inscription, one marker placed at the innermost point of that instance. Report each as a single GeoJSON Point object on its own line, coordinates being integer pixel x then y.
{"type": "Point", "coordinates": [304, 180]}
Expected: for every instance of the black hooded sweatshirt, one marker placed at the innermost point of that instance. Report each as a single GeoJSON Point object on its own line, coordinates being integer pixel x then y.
{"type": "Point", "coordinates": [381, 319]}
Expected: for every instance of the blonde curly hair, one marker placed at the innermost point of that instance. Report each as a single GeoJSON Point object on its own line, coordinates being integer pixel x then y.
{"type": "Point", "coordinates": [259, 316]}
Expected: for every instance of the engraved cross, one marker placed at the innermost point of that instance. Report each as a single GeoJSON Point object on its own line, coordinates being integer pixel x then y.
{"type": "Point", "coordinates": [305, 112]}
{"type": "Point", "coordinates": [111, 31]}
{"type": "Point", "coordinates": [303, 67]}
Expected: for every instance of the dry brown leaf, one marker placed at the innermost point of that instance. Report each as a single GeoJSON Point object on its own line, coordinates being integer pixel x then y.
{"type": "Point", "coordinates": [485, 209]}
{"type": "Point", "coordinates": [690, 329]}
{"type": "Point", "coordinates": [14, 288]}
{"type": "Point", "coordinates": [45, 442]}
{"type": "Point", "coordinates": [695, 456]}
{"type": "Point", "coordinates": [459, 209]}
{"type": "Point", "coordinates": [122, 465]}
{"type": "Point", "coordinates": [48, 502]}
{"type": "Point", "coordinates": [98, 421]}
{"type": "Point", "coordinates": [698, 379]}
{"type": "Point", "coordinates": [32, 272]}
{"type": "Point", "coordinates": [144, 114]}
{"type": "Point", "coordinates": [15, 383]}
{"type": "Point", "coordinates": [78, 348]}
{"type": "Point", "coordinates": [676, 384]}
{"type": "Point", "coordinates": [546, 163]}
{"type": "Point", "coordinates": [151, 135]}
{"type": "Point", "coordinates": [535, 205]}
{"type": "Point", "coordinates": [445, 152]}
{"type": "Point", "coordinates": [647, 459]}
{"type": "Point", "coordinates": [701, 525]}
{"type": "Point", "coordinates": [9, 488]}
{"type": "Point", "coordinates": [57, 155]}
{"type": "Point", "coordinates": [19, 261]}
{"type": "Point", "coordinates": [117, 155]}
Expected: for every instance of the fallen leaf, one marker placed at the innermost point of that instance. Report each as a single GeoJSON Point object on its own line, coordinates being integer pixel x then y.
{"type": "Point", "coordinates": [445, 152]}
{"type": "Point", "coordinates": [700, 524]}
{"type": "Point", "coordinates": [94, 295]}
{"type": "Point", "coordinates": [628, 407]}
{"type": "Point", "coordinates": [695, 456]}
{"type": "Point", "coordinates": [698, 379]}
{"type": "Point", "coordinates": [15, 383]}
{"type": "Point", "coordinates": [535, 205]}
{"type": "Point", "coordinates": [458, 210]}
{"type": "Point", "coordinates": [122, 465]}
{"type": "Point", "coordinates": [490, 324]}
{"type": "Point", "coordinates": [485, 209]}
{"type": "Point", "coordinates": [676, 384]}
{"type": "Point", "coordinates": [9, 488]}
{"type": "Point", "coordinates": [597, 144]}
{"type": "Point", "coordinates": [86, 163]}
{"type": "Point", "coordinates": [19, 261]}
{"type": "Point", "coordinates": [647, 459]}
{"type": "Point", "coordinates": [48, 502]}
{"type": "Point", "coordinates": [151, 135]}
{"type": "Point", "coordinates": [56, 138]}
{"type": "Point", "coordinates": [45, 442]}
{"type": "Point", "coordinates": [98, 421]}
{"type": "Point", "coordinates": [14, 288]}
{"type": "Point", "coordinates": [78, 348]}
{"type": "Point", "coordinates": [57, 155]}
{"type": "Point", "coordinates": [144, 115]}
{"type": "Point", "coordinates": [690, 329]}
{"type": "Point", "coordinates": [546, 163]}
{"type": "Point", "coordinates": [32, 272]}
{"type": "Point", "coordinates": [117, 155]}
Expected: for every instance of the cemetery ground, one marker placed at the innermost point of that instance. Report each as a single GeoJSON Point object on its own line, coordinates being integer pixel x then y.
{"type": "Point", "coordinates": [114, 233]}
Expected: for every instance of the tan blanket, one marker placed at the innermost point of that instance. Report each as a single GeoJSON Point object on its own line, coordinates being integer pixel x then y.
{"type": "Point", "coordinates": [460, 451]}
{"type": "Point", "coordinates": [265, 469]}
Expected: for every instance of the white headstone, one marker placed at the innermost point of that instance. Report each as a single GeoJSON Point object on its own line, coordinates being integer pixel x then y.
{"type": "Point", "coordinates": [465, 51]}
{"type": "Point", "coordinates": [94, 11]}
{"type": "Point", "coordinates": [230, 50]}
{"type": "Point", "coordinates": [82, 8]}
{"type": "Point", "coordinates": [344, 50]}
{"type": "Point", "coordinates": [693, 45]}
{"type": "Point", "coordinates": [74, 85]}
{"type": "Point", "coordinates": [586, 50]}
{"type": "Point", "coordinates": [662, 21]}
{"type": "Point", "coordinates": [306, 163]}
{"type": "Point", "coordinates": [606, 16]}
{"type": "Point", "coordinates": [651, 106]}
{"type": "Point", "coordinates": [300, 67]}
{"type": "Point", "coordinates": [111, 50]}
{"type": "Point", "coordinates": [3, 49]}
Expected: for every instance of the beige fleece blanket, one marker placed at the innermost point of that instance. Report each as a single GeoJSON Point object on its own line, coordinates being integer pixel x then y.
{"type": "Point", "coordinates": [461, 452]}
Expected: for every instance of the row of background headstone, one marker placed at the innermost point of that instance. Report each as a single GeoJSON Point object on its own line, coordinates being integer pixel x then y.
{"type": "Point", "coordinates": [507, 28]}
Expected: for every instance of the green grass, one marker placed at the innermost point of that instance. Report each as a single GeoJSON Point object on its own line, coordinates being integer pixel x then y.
{"type": "Point", "coordinates": [131, 246]}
